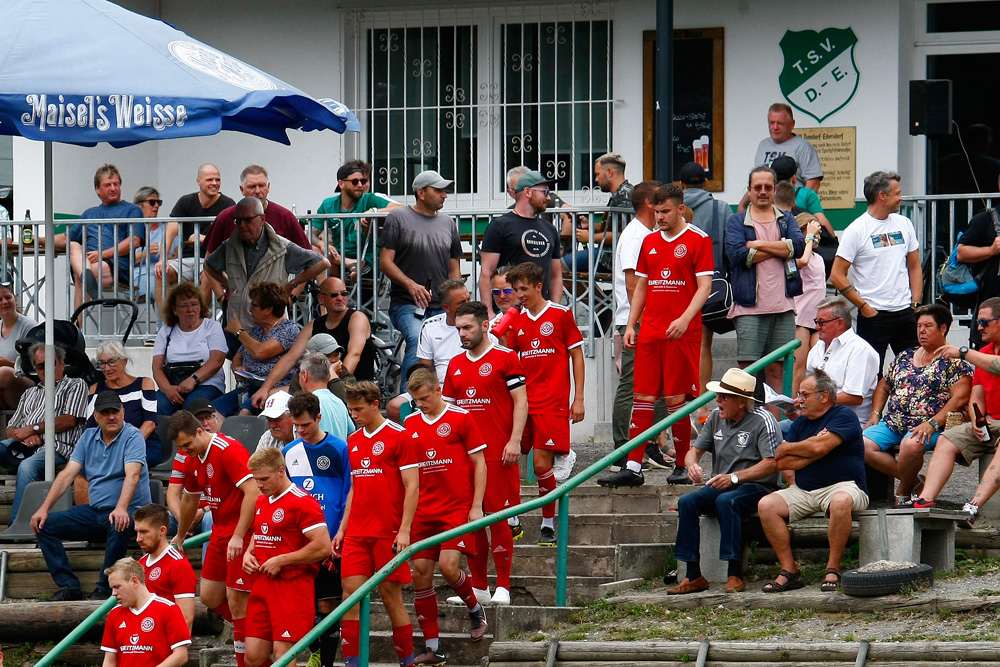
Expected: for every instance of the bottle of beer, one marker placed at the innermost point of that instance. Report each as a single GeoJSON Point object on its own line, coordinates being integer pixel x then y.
{"type": "Point", "coordinates": [27, 233]}
{"type": "Point", "coordinates": [982, 423]}
{"type": "Point", "coordinates": [419, 312]}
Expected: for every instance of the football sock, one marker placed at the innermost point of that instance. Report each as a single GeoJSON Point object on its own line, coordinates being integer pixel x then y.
{"type": "Point", "coordinates": [239, 641]}
{"type": "Point", "coordinates": [350, 638]}
{"type": "Point", "coordinates": [549, 522]}
{"type": "Point", "coordinates": [426, 606]}
{"type": "Point", "coordinates": [479, 563]}
{"type": "Point", "coordinates": [328, 643]}
{"type": "Point", "coordinates": [681, 431]}
{"type": "Point", "coordinates": [223, 611]}
{"type": "Point", "coordinates": [514, 521]}
{"type": "Point", "coordinates": [503, 554]}
{"type": "Point", "coordinates": [463, 588]}
{"type": "Point", "coordinates": [642, 420]}
{"type": "Point", "coordinates": [433, 644]}
{"type": "Point", "coordinates": [546, 483]}
{"type": "Point", "coordinates": [402, 642]}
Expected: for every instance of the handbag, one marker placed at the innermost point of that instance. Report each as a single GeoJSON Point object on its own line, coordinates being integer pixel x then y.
{"type": "Point", "coordinates": [178, 371]}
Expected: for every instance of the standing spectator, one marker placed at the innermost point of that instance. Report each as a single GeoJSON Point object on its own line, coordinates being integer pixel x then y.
{"type": "Point", "coordinates": [761, 244]}
{"type": "Point", "coordinates": [13, 326]}
{"type": "Point", "coordinates": [168, 573]}
{"type": "Point", "coordinates": [980, 247]}
{"type": "Point", "coordinates": [421, 248]}
{"type": "Point", "coordinates": [806, 199]}
{"type": "Point", "coordinates": [27, 426]}
{"type": "Point", "coordinates": [784, 141]}
{"type": "Point", "coordinates": [188, 353]}
{"type": "Point", "coordinates": [523, 236]}
{"type": "Point", "coordinates": [148, 256]}
{"type": "Point", "coordinates": [810, 265]}
{"type": "Point", "coordinates": [877, 268]}
{"type": "Point", "coordinates": [138, 394]}
{"type": "Point", "coordinates": [103, 256]}
{"type": "Point", "coordinates": [112, 458]}
{"type": "Point", "coordinates": [314, 375]}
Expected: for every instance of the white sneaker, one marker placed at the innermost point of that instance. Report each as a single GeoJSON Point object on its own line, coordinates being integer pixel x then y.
{"type": "Point", "coordinates": [562, 466]}
{"type": "Point", "coordinates": [501, 596]}
{"type": "Point", "coordinates": [482, 596]}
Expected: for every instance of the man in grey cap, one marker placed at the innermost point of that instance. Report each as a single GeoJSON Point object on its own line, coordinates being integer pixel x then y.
{"type": "Point", "coordinates": [421, 249]}
{"type": "Point", "coordinates": [523, 236]}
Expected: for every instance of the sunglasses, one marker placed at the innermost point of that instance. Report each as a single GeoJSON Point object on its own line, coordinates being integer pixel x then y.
{"type": "Point", "coordinates": [356, 182]}
{"type": "Point", "coordinates": [986, 323]}
{"type": "Point", "coordinates": [334, 295]}
{"type": "Point", "coordinates": [822, 322]}
{"type": "Point", "coordinates": [497, 291]}
{"type": "Point", "coordinates": [762, 188]}
{"type": "Point", "coordinates": [153, 202]}
{"type": "Point", "coordinates": [245, 221]}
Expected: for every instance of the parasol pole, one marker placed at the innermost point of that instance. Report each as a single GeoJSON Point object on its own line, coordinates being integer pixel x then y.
{"type": "Point", "coordinates": [50, 303]}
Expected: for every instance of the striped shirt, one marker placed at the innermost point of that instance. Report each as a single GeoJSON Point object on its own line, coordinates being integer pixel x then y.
{"type": "Point", "coordinates": [70, 399]}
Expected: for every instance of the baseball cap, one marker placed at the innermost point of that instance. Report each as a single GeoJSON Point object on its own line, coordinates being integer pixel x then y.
{"type": "Point", "coordinates": [431, 179]}
{"type": "Point", "coordinates": [530, 179]}
{"type": "Point", "coordinates": [200, 405]}
{"type": "Point", "coordinates": [691, 173]}
{"type": "Point", "coordinates": [324, 343]}
{"type": "Point", "coordinates": [276, 405]}
{"type": "Point", "coordinates": [784, 167]}
{"type": "Point", "coordinates": [107, 400]}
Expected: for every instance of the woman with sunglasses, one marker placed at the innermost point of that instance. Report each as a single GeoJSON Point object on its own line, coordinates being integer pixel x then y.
{"type": "Point", "coordinates": [503, 299]}
{"type": "Point", "coordinates": [13, 325]}
{"type": "Point", "coordinates": [148, 256]}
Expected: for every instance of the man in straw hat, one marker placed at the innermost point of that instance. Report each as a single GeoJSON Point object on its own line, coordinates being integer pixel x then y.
{"type": "Point", "coordinates": [742, 441]}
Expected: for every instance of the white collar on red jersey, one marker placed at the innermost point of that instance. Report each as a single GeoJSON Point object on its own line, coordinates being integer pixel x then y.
{"type": "Point", "coordinates": [671, 239]}
{"type": "Point", "coordinates": [468, 353]}
{"type": "Point", "coordinates": [274, 499]}
{"type": "Point", "coordinates": [150, 561]}
{"type": "Point", "coordinates": [142, 609]}
{"type": "Point", "coordinates": [447, 407]}
{"type": "Point", "coordinates": [372, 433]}
{"type": "Point", "coordinates": [534, 318]}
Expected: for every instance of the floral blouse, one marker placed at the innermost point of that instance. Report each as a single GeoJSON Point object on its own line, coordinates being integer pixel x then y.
{"type": "Point", "coordinates": [917, 394]}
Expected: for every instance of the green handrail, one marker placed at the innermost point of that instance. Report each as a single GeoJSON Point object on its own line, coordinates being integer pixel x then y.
{"type": "Point", "coordinates": [99, 613]}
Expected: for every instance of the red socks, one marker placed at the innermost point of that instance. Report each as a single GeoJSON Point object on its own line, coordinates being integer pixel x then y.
{"type": "Point", "coordinates": [223, 611]}
{"type": "Point", "coordinates": [350, 639]}
{"type": "Point", "coordinates": [463, 587]}
{"type": "Point", "coordinates": [546, 483]}
{"type": "Point", "coordinates": [239, 641]}
{"type": "Point", "coordinates": [402, 641]}
{"type": "Point", "coordinates": [503, 553]}
{"type": "Point", "coordinates": [479, 563]}
{"type": "Point", "coordinates": [642, 419]}
{"type": "Point", "coordinates": [681, 431]}
{"type": "Point", "coordinates": [426, 605]}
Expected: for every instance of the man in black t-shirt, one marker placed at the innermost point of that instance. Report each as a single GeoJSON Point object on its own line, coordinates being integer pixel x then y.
{"type": "Point", "coordinates": [980, 248]}
{"type": "Point", "coordinates": [523, 236]}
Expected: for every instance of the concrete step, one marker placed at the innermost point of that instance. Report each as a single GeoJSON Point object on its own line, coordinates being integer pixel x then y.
{"type": "Point", "coordinates": [589, 498]}
{"type": "Point", "coordinates": [603, 529]}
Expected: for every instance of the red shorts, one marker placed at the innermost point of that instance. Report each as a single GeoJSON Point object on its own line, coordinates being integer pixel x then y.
{"type": "Point", "coordinates": [667, 367]}
{"type": "Point", "coordinates": [424, 529]}
{"type": "Point", "coordinates": [280, 609]}
{"type": "Point", "coordinates": [503, 487]}
{"type": "Point", "coordinates": [215, 567]}
{"type": "Point", "coordinates": [363, 556]}
{"type": "Point", "coordinates": [546, 433]}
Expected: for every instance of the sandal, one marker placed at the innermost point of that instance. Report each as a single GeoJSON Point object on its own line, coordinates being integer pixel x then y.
{"type": "Point", "coordinates": [793, 581]}
{"type": "Point", "coordinates": [828, 585]}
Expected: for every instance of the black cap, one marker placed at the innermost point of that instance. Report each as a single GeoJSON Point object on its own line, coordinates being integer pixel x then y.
{"type": "Point", "coordinates": [200, 405]}
{"type": "Point", "coordinates": [784, 167]}
{"type": "Point", "coordinates": [108, 400]}
{"type": "Point", "coordinates": [691, 173]}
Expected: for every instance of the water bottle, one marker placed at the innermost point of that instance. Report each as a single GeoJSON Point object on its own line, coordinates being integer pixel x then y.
{"type": "Point", "coordinates": [27, 233]}
{"type": "Point", "coordinates": [505, 322]}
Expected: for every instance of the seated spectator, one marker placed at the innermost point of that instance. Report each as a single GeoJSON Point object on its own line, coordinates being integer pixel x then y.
{"type": "Point", "coordinates": [138, 394]}
{"type": "Point", "coordinates": [280, 429]}
{"type": "Point", "coordinates": [314, 374]}
{"type": "Point", "coordinates": [270, 337]}
{"type": "Point", "coordinates": [328, 346]}
{"type": "Point", "coordinates": [112, 458]}
{"type": "Point", "coordinates": [912, 403]}
{"type": "Point", "coordinates": [813, 291]}
{"type": "Point", "coordinates": [742, 441]}
{"type": "Point", "coordinates": [13, 326]}
{"type": "Point", "coordinates": [825, 453]}
{"type": "Point", "coordinates": [967, 442]}
{"type": "Point", "coordinates": [188, 353]}
{"type": "Point", "coordinates": [22, 451]}
{"type": "Point", "coordinates": [148, 256]}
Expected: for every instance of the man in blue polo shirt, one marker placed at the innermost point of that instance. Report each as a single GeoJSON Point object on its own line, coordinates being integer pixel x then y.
{"type": "Point", "coordinates": [98, 247]}
{"type": "Point", "coordinates": [112, 457]}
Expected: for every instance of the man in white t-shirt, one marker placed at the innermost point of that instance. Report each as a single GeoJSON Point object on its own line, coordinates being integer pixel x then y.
{"type": "Point", "coordinates": [877, 268]}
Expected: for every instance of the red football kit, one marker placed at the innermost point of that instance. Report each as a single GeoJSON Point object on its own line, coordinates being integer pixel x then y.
{"type": "Point", "coordinates": [177, 475]}
{"type": "Point", "coordinates": [281, 526]}
{"type": "Point", "coordinates": [170, 575]}
{"type": "Point", "coordinates": [144, 637]}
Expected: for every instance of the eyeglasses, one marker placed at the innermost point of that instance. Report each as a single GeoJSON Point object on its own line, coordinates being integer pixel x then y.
{"type": "Point", "coordinates": [986, 323]}
{"type": "Point", "coordinates": [546, 191]}
{"type": "Point", "coordinates": [334, 295]}
{"type": "Point", "coordinates": [762, 188]}
{"type": "Point", "coordinates": [153, 202]}
{"type": "Point", "coordinates": [193, 305]}
{"type": "Point", "coordinates": [246, 221]}
{"type": "Point", "coordinates": [104, 363]}
{"type": "Point", "coordinates": [820, 323]}
{"type": "Point", "coordinates": [497, 291]}
{"type": "Point", "coordinates": [356, 182]}
{"type": "Point", "coordinates": [805, 394]}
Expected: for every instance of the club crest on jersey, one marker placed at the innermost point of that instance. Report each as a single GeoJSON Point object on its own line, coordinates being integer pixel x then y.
{"type": "Point", "coordinates": [365, 462]}
{"type": "Point", "coordinates": [323, 462]}
{"type": "Point", "coordinates": [147, 624]}
{"type": "Point", "coordinates": [210, 470]}
{"type": "Point", "coordinates": [665, 273]}
{"type": "Point", "coordinates": [743, 438]}
{"type": "Point", "coordinates": [278, 516]}
{"type": "Point", "coordinates": [264, 528]}
{"type": "Point", "coordinates": [470, 392]}
{"type": "Point", "coordinates": [444, 430]}
{"type": "Point", "coordinates": [546, 329]}
{"type": "Point", "coordinates": [680, 251]}
{"type": "Point", "coordinates": [431, 453]}
{"type": "Point", "coordinates": [134, 639]}
{"type": "Point", "coordinates": [535, 343]}
{"type": "Point", "coordinates": [378, 448]}
{"type": "Point", "coordinates": [154, 574]}
{"type": "Point", "coordinates": [486, 369]}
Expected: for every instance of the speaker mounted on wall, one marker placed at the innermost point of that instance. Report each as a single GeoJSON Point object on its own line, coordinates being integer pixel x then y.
{"type": "Point", "coordinates": [930, 107]}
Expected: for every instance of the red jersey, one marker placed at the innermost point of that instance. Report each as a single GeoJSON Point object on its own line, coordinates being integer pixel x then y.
{"type": "Point", "coordinates": [446, 472]}
{"type": "Point", "coordinates": [281, 525]}
{"type": "Point", "coordinates": [219, 473]}
{"type": "Point", "coordinates": [671, 268]}
{"type": "Point", "coordinates": [177, 474]}
{"type": "Point", "coordinates": [543, 343]}
{"type": "Point", "coordinates": [170, 575]}
{"type": "Point", "coordinates": [376, 459]}
{"type": "Point", "coordinates": [990, 384]}
{"type": "Point", "coordinates": [145, 637]}
{"type": "Point", "coordinates": [482, 387]}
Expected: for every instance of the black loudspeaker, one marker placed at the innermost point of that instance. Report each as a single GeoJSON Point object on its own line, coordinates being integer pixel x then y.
{"type": "Point", "coordinates": [930, 107]}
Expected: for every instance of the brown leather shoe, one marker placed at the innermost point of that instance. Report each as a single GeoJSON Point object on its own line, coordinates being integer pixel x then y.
{"type": "Point", "coordinates": [686, 586]}
{"type": "Point", "coordinates": [736, 585]}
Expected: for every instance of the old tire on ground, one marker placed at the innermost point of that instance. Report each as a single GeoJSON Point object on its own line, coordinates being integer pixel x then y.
{"type": "Point", "coordinates": [874, 584]}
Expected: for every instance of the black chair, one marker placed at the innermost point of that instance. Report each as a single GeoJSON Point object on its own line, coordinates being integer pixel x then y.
{"type": "Point", "coordinates": [246, 429]}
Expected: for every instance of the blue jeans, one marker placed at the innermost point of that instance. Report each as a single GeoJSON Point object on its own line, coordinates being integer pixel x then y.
{"type": "Point", "coordinates": [408, 325]}
{"type": "Point", "coordinates": [583, 258]}
{"type": "Point", "coordinates": [32, 469]}
{"type": "Point", "coordinates": [730, 506]}
{"type": "Point", "coordinates": [81, 522]}
{"type": "Point", "coordinates": [165, 407]}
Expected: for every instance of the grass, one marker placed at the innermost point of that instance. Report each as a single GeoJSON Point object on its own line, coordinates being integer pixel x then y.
{"type": "Point", "coordinates": [15, 656]}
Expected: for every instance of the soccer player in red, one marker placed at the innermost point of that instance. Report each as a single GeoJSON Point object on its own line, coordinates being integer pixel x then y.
{"type": "Point", "coordinates": [290, 538]}
{"type": "Point", "coordinates": [385, 481]}
{"type": "Point", "coordinates": [488, 381]}
{"type": "Point", "coordinates": [144, 630]}
{"type": "Point", "coordinates": [675, 278]}
{"type": "Point", "coordinates": [210, 421]}
{"type": "Point", "coordinates": [452, 485]}
{"type": "Point", "coordinates": [217, 466]}
{"type": "Point", "coordinates": [547, 340]}
{"type": "Point", "coordinates": [168, 573]}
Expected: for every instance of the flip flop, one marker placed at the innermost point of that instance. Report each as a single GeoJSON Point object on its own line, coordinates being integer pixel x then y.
{"type": "Point", "coordinates": [829, 586]}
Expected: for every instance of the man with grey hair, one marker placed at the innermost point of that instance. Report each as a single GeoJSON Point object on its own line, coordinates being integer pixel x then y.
{"type": "Point", "coordinates": [845, 356]}
{"type": "Point", "coordinates": [877, 268]}
{"type": "Point", "coordinates": [22, 450]}
{"type": "Point", "coordinates": [314, 375]}
{"type": "Point", "coordinates": [825, 450]}
{"type": "Point", "coordinates": [782, 140]}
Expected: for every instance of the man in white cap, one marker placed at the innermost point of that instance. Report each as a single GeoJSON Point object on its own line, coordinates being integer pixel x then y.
{"type": "Point", "coordinates": [421, 249]}
{"type": "Point", "coordinates": [280, 430]}
{"type": "Point", "coordinates": [742, 441]}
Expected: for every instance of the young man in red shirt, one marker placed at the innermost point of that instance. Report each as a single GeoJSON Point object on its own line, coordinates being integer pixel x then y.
{"type": "Point", "coordinates": [488, 381]}
{"type": "Point", "coordinates": [289, 540]}
{"type": "Point", "coordinates": [217, 466]}
{"type": "Point", "coordinates": [168, 573]}
{"type": "Point", "coordinates": [144, 630]}
{"type": "Point", "coordinates": [547, 340]}
{"type": "Point", "coordinates": [452, 485]}
{"type": "Point", "coordinates": [675, 278]}
{"type": "Point", "coordinates": [378, 516]}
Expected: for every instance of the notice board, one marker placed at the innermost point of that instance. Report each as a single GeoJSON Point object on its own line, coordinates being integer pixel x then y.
{"type": "Point", "coordinates": [838, 151]}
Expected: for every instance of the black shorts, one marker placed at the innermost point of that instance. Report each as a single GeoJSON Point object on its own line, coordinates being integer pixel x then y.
{"type": "Point", "coordinates": [328, 580]}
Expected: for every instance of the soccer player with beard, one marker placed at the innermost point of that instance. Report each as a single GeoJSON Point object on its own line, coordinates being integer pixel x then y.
{"type": "Point", "coordinates": [168, 573]}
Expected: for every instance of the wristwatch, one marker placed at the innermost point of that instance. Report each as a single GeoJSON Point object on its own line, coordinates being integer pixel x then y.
{"type": "Point", "coordinates": [37, 428]}
{"type": "Point", "coordinates": [238, 332]}
{"type": "Point", "coordinates": [961, 352]}
{"type": "Point", "coordinates": [734, 479]}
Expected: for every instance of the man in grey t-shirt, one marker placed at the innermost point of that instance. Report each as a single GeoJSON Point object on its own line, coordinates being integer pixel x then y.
{"type": "Point", "coordinates": [742, 441]}
{"type": "Point", "coordinates": [782, 140]}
